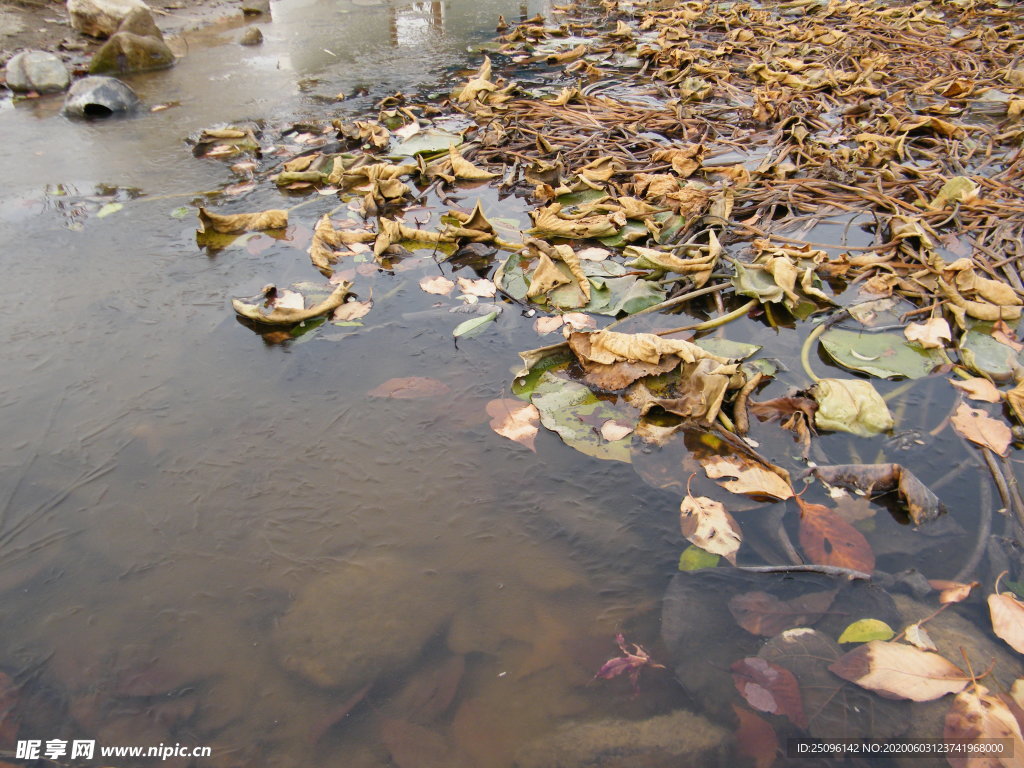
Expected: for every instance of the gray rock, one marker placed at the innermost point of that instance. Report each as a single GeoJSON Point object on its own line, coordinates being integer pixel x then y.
{"type": "Point", "coordinates": [101, 18]}
{"type": "Point", "coordinates": [255, 7]}
{"type": "Point", "coordinates": [680, 739]}
{"type": "Point", "coordinates": [99, 97]}
{"type": "Point", "coordinates": [372, 615]}
{"type": "Point", "coordinates": [37, 71]}
{"type": "Point", "coordinates": [139, 21]}
{"type": "Point", "coordinates": [126, 52]}
{"type": "Point", "coordinates": [252, 36]}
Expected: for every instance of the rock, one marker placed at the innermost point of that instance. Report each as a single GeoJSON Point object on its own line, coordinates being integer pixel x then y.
{"type": "Point", "coordinates": [680, 739]}
{"type": "Point", "coordinates": [252, 36]}
{"type": "Point", "coordinates": [255, 7]}
{"type": "Point", "coordinates": [127, 52]}
{"type": "Point", "coordinates": [139, 21]}
{"type": "Point", "coordinates": [101, 18]}
{"type": "Point", "coordinates": [99, 96]}
{"type": "Point", "coordinates": [371, 616]}
{"type": "Point", "coordinates": [37, 71]}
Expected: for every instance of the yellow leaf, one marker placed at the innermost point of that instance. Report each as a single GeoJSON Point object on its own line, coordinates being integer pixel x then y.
{"type": "Point", "coordinates": [289, 315]}
{"type": "Point", "coordinates": [242, 222]}
{"type": "Point", "coordinates": [980, 428]}
{"type": "Point", "coordinates": [750, 477]}
{"type": "Point", "coordinates": [545, 277]}
{"type": "Point", "coordinates": [463, 169]}
{"type": "Point", "coordinates": [933, 333]}
{"type": "Point", "coordinates": [610, 347]}
{"type": "Point", "coordinates": [979, 389]}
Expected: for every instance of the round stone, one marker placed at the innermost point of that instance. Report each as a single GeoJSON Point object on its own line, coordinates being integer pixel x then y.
{"type": "Point", "coordinates": [38, 71]}
{"type": "Point", "coordinates": [99, 96]}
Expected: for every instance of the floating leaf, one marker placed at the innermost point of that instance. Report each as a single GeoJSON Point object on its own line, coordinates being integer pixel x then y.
{"type": "Point", "coordinates": [934, 333]}
{"type": "Point", "coordinates": [410, 388]}
{"type": "Point", "coordinates": [880, 354]}
{"type": "Point", "coordinates": [988, 356]}
{"type": "Point", "coordinates": [515, 420]}
{"type": "Point", "coordinates": [576, 413]}
{"type": "Point", "coordinates": [851, 405]}
{"type": "Point", "coordinates": [769, 688]}
{"type": "Point", "coordinates": [734, 350]}
{"type": "Point", "coordinates": [428, 142]}
{"type": "Point", "coordinates": [978, 389]}
{"type": "Point", "coordinates": [952, 591]}
{"type": "Point", "coordinates": [108, 209]}
{"type": "Point", "coordinates": [483, 287]}
{"type": "Point", "coordinates": [474, 326]}
{"type": "Point", "coordinates": [694, 558]}
{"type": "Point", "coordinates": [241, 222]}
{"type": "Point", "coordinates": [866, 630]}
{"type": "Point", "coordinates": [829, 540]}
{"type": "Point", "coordinates": [922, 504]}
{"type": "Point", "coordinates": [763, 614]}
{"type": "Point", "coordinates": [918, 636]}
{"type": "Point", "coordinates": [438, 285]}
{"type": "Point", "coordinates": [613, 430]}
{"type": "Point", "coordinates": [750, 477]}
{"type": "Point", "coordinates": [264, 309]}
{"type": "Point", "coordinates": [900, 671]}
{"type": "Point", "coordinates": [980, 428]}
{"type": "Point", "coordinates": [1007, 614]}
{"type": "Point", "coordinates": [706, 523]}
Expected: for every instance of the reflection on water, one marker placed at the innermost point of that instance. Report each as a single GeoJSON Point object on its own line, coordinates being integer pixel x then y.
{"type": "Point", "coordinates": [207, 540]}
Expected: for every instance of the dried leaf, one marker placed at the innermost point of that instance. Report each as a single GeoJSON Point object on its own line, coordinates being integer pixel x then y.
{"type": "Point", "coordinates": [631, 663]}
{"type": "Point", "coordinates": [918, 636]}
{"type": "Point", "coordinates": [934, 333]}
{"type": "Point", "coordinates": [827, 539]}
{"type": "Point", "coordinates": [545, 277]}
{"type": "Point", "coordinates": [463, 169]}
{"type": "Point", "coordinates": [977, 715]}
{"type": "Point", "coordinates": [706, 523]}
{"type": "Point", "coordinates": [952, 591]}
{"type": "Point", "coordinates": [613, 430]}
{"type": "Point", "coordinates": [769, 688]}
{"type": "Point", "coordinates": [546, 221]}
{"type": "Point", "coordinates": [352, 310]}
{"type": "Point", "coordinates": [922, 505]}
{"type": "Point", "coordinates": [263, 309]}
{"type": "Point", "coordinates": [980, 428]}
{"type": "Point", "coordinates": [482, 287]}
{"type": "Point", "coordinates": [978, 389]}
{"type": "Point", "coordinates": [1007, 613]}
{"type": "Point", "coordinates": [763, 614]}
{"type": "Point", "coordinates": [611, 347]}
{"type": "Point", "coordinates": [242, 222]}
{"type": "Point", "coordinates": [750, 477]}
{"type": "Point", "coordinates": [515, 420]}
{"type": "Point", "coordinates": [441, 286]}
{"type": "Point", "coordinates": [900, 671]}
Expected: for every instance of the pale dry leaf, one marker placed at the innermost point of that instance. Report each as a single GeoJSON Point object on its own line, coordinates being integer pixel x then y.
{"type": "Point", "coordinates": [579, 321]}
{"type": "Point", "coordinates": [977, 715]}
{"type": "Point", "coordinates": [978, 389]}
{"type": "Point", "coordinates": [900, 671]}
{"type": "Point", "coordinates": [483, 287]}
{"type": "Point", "coordinates": [515, 420]}
{"type": "Point", "coordinates": [1007, 613]}
{"type": "Point", "coordinates": [242, 222]}
{"type": "Point", "coordinates": [548, 324]}
{"type": "Point", "coordinates": [593, 254]}
{"type": "Point", "coordinates": [933, 333]}
{"type": "Point", "coordinates": [706, 524]}
{"type": "Point", "coordinates": [441, 286]}
{"type": "Point", "coordinates": [613, 430]}
{"type": "Point", "coordinates": [952, 591]}
{"type": "Point", "coordinates": [289, 300]}
{"type": "Point", "coordinates": [352, 310]}
{"type": "Point", "coordinates": [750, 477]}
{"type": "Point", "coordinates": [980, 428]}
{"type": "Point", "coordinates": [918, 636]}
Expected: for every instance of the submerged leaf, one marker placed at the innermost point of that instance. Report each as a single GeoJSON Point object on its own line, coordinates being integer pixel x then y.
{"type": "Point", "coordinates": [763, 614]}
{"type": "Point", "coordinates": [515, 420]}
{"type": "Point", "coordinates": [900, 671]}
{"type": "Point", "coordinates": [923, 505]}
{"type": "Point", "coordinates": [575, 413]}
{"type": "Point", "coordinates": [1007, 613]}
{"type": "Point", "coordinates": [410, 388]}
{"type": "Point", "coordinates": [694, 558]}
{"type": "Point", "coordinates": [769, 688]}
{"type": "Point", "coordinates": [866, 630]}
{"type": "Point", "coordinates": [977, 715]}
{"type": "Point", "coordinates": [829, 540]}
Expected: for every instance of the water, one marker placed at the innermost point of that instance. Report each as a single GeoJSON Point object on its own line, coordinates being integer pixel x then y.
{"type": "Point", "coordinates": [175, 485]}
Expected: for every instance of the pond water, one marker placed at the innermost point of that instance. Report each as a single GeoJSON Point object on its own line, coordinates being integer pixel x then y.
{"type": "Point", "coordinates": [214, 538]}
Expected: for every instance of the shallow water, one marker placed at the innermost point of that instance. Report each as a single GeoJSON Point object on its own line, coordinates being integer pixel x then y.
{"type": "Point", "coordinates": [184, 498]}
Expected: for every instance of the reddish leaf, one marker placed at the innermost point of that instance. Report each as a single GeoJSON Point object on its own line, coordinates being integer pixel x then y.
{"type": "Point", "coordinates": [762, 614]}
{"type": "Point", "coordinates": [829, 540]}
{"type": "Point", "coordinates": [783, 407]}
{"type": "Point", "coordinates": [977, 715]}
{"type": "Point", "coordinates": [409, 388]}
{"type": "Point", "coordinates": [631, 662]}
{"type": "Point", "coordinates": [755, 738]}
{"type": "Point", "coordinates": [769, 688]}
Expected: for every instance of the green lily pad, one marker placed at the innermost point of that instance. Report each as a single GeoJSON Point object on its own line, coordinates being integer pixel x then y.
{"type": "Point", "coordinates": [558, 358]}
{"type": "Point", "coordinates": [428, 142]}
{"type": "Point", "coordinates": [511, 276]}
{"type": "Point", "coordinates": [866, 630]}
{"type": "Point", "coordinates": [467, 329]}
{"type": "Point", "coordinates": [628, 294]}
{"type": "Point", "coordinates": [672, 225]}
{"type": "Point", "coordinates": [757, 284]}
{"type": "Point", "coordinates": [880, 354]}
{"type": "Point", "coordinates": [579, 198]}
{"type": "Point", "coordinates": [736, 350]}
{"type": "Point", "coordinates": [576, 414]}
{"type": "Point", "coordinates": [989, 357]}
{"type": "Point", "coordinates": [694, 558]}
{"type": "Point", "coordinates": [633, 230]}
